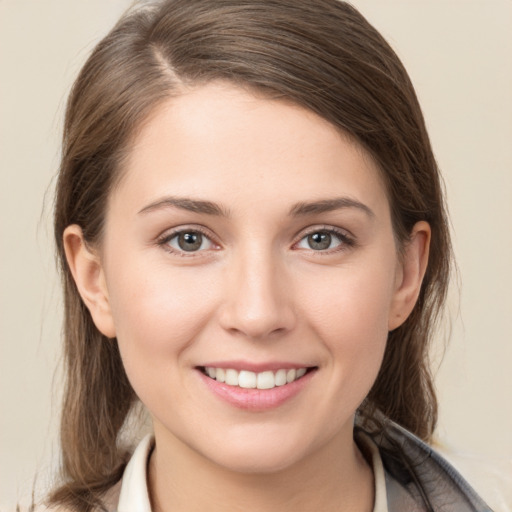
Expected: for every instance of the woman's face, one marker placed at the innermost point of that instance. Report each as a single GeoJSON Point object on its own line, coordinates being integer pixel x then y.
{"type": "Point", "coordinates": [250, 240]}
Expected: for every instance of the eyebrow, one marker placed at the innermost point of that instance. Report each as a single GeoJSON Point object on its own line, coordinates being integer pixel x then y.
{"type": "Point", "coordinates": [185, 203]}
{"type": "Point", "coordinates": [299, 209]}
{"type": "Point", "coordinates": [328, 205]}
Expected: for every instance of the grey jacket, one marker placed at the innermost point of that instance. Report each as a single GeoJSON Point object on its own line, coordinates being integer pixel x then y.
{"type": "Point", "coordinates": [418, 479]}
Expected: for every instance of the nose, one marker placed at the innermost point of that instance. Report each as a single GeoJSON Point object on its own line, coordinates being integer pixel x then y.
{"type": "Point", "coordinates": [258, 300]}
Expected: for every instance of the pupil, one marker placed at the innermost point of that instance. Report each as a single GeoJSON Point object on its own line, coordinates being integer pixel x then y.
{"type": "Point", "coordinates": [190, 241]}
{"type": "Point", "coordinates": [319, 241]}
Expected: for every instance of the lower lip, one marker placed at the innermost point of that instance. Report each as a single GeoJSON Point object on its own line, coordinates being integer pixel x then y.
{"type": "Point", "coordinates": [256, 399]}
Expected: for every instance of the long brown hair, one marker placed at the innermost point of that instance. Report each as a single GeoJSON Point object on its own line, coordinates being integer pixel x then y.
{"type": "Point", "coordinates": [322, 55]}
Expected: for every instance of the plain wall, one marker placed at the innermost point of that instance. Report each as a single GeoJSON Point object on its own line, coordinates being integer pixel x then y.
{"type": "Point", "coordinates": [458, 53]}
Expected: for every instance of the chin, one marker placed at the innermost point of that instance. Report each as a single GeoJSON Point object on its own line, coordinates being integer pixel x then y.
{"type": "Point", "coordinates": [260, 461]}
{"type": "Point", "coordinates": [263, 452]}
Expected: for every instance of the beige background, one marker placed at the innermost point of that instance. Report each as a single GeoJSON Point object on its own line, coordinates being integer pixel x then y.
{"type": "Point", "coordinates": [459, 55]}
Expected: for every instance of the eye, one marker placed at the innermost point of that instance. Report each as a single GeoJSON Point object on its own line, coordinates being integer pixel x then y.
{"type": "Point", "coordinates": [188, 241]}
{"type": "Point", "coordinates": [324, 240]}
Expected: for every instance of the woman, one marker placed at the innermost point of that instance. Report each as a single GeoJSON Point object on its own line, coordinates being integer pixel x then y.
{"type": "Point", "coordinates": [253, 242]}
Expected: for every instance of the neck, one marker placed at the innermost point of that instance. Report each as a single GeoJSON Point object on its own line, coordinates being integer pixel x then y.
{"type": "Point", "coordinates": [335, 478]}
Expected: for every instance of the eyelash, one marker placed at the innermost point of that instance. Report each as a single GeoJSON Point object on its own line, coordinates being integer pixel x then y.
{"type": "Point", "coordinates": [346, 241]}
{"type": "Point", "coordinates": [164, 240]}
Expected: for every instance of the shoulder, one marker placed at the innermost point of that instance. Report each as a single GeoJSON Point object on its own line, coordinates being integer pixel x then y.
{"type": "Point", "coordinates": [130, 489]}
{"type": "Point", "coordinates": [423, 475]}
{"type": "Point", "coordinates": [43, 507]}
{"type": "Point", "coordinates": [109, 500]}
{"type": "Point", "coordinates": [491, 477]}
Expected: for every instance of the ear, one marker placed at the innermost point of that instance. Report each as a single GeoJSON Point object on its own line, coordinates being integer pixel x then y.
{"type": "Point", "coordinates": [87, 271]}
{"type": "Point", "coordinates": [410, 272]}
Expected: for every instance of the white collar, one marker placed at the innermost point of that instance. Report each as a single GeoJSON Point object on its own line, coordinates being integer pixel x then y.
{"type": "Point", "coordinates": [134, 496]}
{"type": "Point", "coordinates": [371, 450]}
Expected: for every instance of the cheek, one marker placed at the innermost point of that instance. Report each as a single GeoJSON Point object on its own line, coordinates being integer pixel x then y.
{"type": "Point", "coordinates": [157, 313]}
{"type": "Point", "coordinates": [351, 303]}
{"type": "Point", "coordinates": [349, 313]}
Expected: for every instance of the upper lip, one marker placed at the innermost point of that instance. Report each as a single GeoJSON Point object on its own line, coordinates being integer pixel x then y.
{"type": "Point", "coordinates": [256, 367]}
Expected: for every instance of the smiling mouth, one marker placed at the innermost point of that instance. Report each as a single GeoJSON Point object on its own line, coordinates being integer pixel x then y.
{"type": "Point", "coordinates": [255, 380]}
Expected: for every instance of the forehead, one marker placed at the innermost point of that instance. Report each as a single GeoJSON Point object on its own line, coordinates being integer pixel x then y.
{"type": "Point", "coordinates": [221, 141]}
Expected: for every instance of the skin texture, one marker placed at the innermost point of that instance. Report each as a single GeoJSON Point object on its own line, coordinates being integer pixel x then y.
{"type": "Point", "coordinates": [255, 291]}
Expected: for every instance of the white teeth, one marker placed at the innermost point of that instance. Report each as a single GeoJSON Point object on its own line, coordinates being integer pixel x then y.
{"type": "Point", "coordinates": [280, 378]}
{"type": "Point", "coordinates": [232, 377]}
{"type": "Point", "coordinates": [251, 380]}
{"type": "Point", "coordinates": [266, 380]}
{"type": "Point", "coordinates": [247, 379]}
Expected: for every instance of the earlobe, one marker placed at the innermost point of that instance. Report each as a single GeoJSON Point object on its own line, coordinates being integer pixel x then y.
{"type": "Point", "coordinates": [410, 273]}
{"type": "Point", "coordinates": [87, 271]}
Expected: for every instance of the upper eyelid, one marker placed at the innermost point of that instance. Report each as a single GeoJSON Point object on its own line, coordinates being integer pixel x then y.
{"type": "Point", "coordinates": [323, 227]}
{"type": "Point", "coordinates": [172, 232]}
